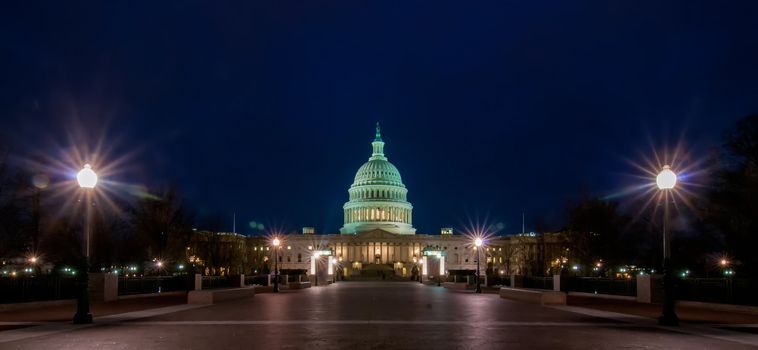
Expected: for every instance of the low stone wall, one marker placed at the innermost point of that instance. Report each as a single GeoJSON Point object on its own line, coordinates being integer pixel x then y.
{"type": "Point", "coordinates": [458, 286]}
{"type": "Point", "coordinates": [298, 285]}
{"type": "Point", "coordinates": [535, 296]}
{"type": "Point", "coordinates": [603, 296]}
{"type": "Point", "coordinates": [213, 296]}
{"type": "Point", "coordinates": [36, 304]}
{"type": "Point", "coordinates": [150, 295]}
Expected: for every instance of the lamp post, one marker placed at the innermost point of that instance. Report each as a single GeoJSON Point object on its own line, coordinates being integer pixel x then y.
{"type": "Point", "coordinates": [439, 274]}
{"type": "Point", "coordinates": [276, 244]}
{"type": "Point", "coordinates": [87, 179]}
{"type": "Point", "coordinates": [666, 180]}
{"type": "Point", "coordinates": [478, 246]}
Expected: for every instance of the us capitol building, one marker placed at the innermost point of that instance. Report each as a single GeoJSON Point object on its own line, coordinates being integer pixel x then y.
{"type": "Point", "coordinates": [378, 238]}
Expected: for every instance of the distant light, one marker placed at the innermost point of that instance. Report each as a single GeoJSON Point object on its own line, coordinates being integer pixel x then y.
{"type": "Point", "coordinates": [40, 181]}
{"type": "Point", "coordinates": [181, 266]}
{"type": "Point", "coordinates": [86, 177]}
{"type": "Point", "coordinates": [724, 262]}
{"type": "Point", "coordinates": [159, 263]}
{"type": "Point", "coordinates": [478, 242]}
{"type": "Point", "coordinates": [33, 260]}
{"type": "Point", "coordinates": [666, 179]}
{"type": "Point", "coordinates": [575, 267]}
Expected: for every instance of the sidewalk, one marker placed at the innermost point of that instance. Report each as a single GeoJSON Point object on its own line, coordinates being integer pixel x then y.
{"type": "Point", "coordinates": [64, 313]}
{"type": "Point", "coordinates": [686, 314]}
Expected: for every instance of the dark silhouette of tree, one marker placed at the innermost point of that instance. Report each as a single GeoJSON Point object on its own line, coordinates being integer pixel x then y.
{"type": "Point", "coordinates": [12, 224]}
{"type": "Point", "coordinates": [731, 209]}
{"type": "Point", "coordinates": [599, 230]}
{"type": "Point", "coordinates": [163, 226]}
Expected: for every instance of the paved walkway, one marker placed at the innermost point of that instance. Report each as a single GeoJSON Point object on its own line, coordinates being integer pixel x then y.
{"type": "Point", "coordinates": [367, 315]}
{"type": "Point", "coordinates": [64, 313]}
{"type": "Point", "coordinates": [686, 314]}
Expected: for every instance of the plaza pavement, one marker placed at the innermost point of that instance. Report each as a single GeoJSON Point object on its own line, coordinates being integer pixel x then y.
{"type": "Point", "coordinates": [374, 315]}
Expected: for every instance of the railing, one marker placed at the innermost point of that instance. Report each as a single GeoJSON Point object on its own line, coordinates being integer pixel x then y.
{"type": "Point", "coordinates": [462, 278]}
{"type": "Point", "coordinates": [152, 284]}
{"type": "Point", "coordinates": [296, 278]}
{"type": "Point", "coordinates": [597, 285]}
{"type": "Point", "coordinates": [504, 281]}
{"type": "Point", "coordinates": [261, 280]}
{"type": "Point", "coordinates": [23, 289]}
{"type": "Point", "coordinates": [718, 290]}
{"type": "Point", "coordinates": [538, 282]}
{"type": "Point", "coordinates": [211, 282]}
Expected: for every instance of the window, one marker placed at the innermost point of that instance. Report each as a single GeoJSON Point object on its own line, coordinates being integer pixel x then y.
{"type": "Point", "coordinates": [299, 257]}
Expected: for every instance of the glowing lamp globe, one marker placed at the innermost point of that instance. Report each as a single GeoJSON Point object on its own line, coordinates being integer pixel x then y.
{"type": "Point", "coordinates": [478, 242]}
{"type": "Point", "coordinates": [86, 177]}
{"type": "Point", "coordinates": [666, 179]}
{"type": "Point", "coordinates": [276, 242]}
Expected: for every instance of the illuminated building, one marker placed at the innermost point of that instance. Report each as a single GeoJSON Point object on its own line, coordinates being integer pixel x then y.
{"type": "Point", "coordinates": [378, 237]}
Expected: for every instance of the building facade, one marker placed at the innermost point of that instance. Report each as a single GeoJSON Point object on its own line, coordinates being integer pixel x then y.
{"type": "Point", "coordinates": [378, 237]}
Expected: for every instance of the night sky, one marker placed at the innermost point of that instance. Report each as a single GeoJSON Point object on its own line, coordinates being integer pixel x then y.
{"type": "Point", "coordinates": [268, 109]}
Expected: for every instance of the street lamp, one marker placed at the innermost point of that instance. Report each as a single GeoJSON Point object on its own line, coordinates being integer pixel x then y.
{"type": "Point", "coordinates": [87, 179]}
{"type": "Point", "coordinates": [666, 180]}
{"type": "Point", "coordinates": [276, 244]}
{"type": "Point", "coordinates": [478, 245]}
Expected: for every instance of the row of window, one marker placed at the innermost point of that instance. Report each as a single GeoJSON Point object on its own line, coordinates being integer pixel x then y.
{"type": "Point", "coordinates": [378, 214]}
{"type": "Point", "coordinates": [376, 194]}
{"type": "Point", "coordinates": [456, 259]}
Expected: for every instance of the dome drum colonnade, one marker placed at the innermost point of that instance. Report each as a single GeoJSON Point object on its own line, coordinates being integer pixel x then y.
{"type": "Point", "coordinates": [378, 197]}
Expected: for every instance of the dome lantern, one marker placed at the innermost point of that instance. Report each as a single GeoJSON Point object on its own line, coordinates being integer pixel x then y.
{"type": "Point", "coordinates": [378, 145]}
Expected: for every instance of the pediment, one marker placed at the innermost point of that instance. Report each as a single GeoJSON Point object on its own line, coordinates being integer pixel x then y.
{"type": "Point", "coordinates": [375, 234]}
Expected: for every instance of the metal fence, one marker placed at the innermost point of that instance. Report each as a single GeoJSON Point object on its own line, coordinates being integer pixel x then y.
{"type": "Point", "coordinates": [538, 282]}
{"type": "Point", "coordinates": [718, 290]}
{"type": "Point", "coordinates": [211, 282]}
{"type": "Point", "coordinates": [261, 280]}
{"type": "Point", "coordinates": [152, 284]}
{"type": "Point", "coordinates": [598, 285]}
{"type": "Point", "coordinates": [23, 289]}
{"type": "Point", "coordinates": [504, 281]}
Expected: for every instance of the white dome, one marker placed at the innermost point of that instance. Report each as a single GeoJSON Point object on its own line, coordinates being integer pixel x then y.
{"type": "Point", "coordinates": [378, 196]}
{"type": "Point", "coordinates": [378, 172]}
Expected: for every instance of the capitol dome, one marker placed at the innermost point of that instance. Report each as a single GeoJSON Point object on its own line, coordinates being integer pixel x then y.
{"type": "Point", "coordinates": [378, 196]}
{"type": "Point", "coordinates": [378, 172]}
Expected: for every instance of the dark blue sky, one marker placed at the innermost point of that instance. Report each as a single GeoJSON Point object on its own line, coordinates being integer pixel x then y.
{"type": "Point", "coordinates": [267, 109]}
